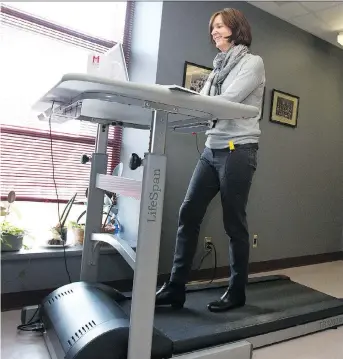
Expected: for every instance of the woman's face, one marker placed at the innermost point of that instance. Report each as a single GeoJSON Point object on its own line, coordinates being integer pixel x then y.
{"type": "Point", "coordinates": [219, 34]}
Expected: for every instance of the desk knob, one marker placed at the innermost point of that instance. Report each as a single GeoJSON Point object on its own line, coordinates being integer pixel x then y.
{"type": "Point", "coordinates": [85, 159]}
{"type": "Point", "coordinates": [135, 161]}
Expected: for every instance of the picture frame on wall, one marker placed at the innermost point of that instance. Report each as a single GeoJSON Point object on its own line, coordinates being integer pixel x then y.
{"type": "Point", "coordinates": [195, 76]}
{"type": "Point", "coordinates": [284, 108]}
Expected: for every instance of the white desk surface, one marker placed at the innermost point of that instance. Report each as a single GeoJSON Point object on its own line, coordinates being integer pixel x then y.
{"type": "Point", "coordinates": [71, 86]}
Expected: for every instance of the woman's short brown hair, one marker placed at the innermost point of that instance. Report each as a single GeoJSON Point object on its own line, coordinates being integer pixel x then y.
{"type": "Point", "coordinates": [238, 24]}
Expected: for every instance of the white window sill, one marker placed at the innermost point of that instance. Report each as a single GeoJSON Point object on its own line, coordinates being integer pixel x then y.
{"type": "Point", "coordinates": [43, 252]}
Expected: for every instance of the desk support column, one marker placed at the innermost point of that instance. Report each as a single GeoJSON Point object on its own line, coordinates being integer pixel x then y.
{"type": "Point", "coordinates": [95, 202]}
{"type": "Point", "coordinates": [148, 244]}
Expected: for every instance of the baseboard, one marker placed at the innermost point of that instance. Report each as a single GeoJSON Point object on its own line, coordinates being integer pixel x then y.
{"type": "Point", "coordinates": [276, 264]}
{"type": "Point", "coordinates": [12, 301]}
{"type": "Point", "coordinates": [268, 266]}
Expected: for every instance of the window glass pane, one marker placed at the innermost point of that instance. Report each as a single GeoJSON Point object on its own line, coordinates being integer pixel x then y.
{"type": "Point", "coordinates": [99, 19]}
{"type": "Point", "coordinates": [31, 64]}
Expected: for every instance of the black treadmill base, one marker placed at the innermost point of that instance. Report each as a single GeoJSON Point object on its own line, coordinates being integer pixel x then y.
{"type": "Point", "coordinates": [273, 303]}
{"type": "Point", "coordinates": [89, 320]}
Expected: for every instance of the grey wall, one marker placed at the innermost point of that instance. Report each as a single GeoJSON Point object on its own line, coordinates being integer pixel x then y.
{"type": "Point", "coordinates": [296, 202]}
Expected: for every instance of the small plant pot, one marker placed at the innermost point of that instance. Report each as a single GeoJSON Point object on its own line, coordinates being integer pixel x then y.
{"type": "Point", "coordinates": [11, 243]}
{"type": "Point", "coordinates": [79, 234]}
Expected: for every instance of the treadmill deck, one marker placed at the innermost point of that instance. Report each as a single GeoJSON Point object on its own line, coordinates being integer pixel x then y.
{"type": "Point", "coordinates": [273, 303]}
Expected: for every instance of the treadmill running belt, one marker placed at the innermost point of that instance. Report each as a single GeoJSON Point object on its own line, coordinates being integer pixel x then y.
{"type": "Point", "coordinates": [273, 303]}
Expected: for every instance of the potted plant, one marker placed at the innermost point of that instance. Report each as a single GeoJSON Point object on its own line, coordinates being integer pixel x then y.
{"type": "Point", "coordinates": [78, 231]}
{"type": "Point", "coordinates": [11, 236]}
{"type": "Point", "coordinates": [59, 232]}
{"type": "Point", "coordinates": [111, 223]}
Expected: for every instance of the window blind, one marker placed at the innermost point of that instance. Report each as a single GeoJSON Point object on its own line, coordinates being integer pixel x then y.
{"type": "Point", "coordinates": [26, 163]}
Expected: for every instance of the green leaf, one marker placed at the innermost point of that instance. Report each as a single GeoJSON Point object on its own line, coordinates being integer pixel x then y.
{"type": "Point", "coordinates": [8, 228]}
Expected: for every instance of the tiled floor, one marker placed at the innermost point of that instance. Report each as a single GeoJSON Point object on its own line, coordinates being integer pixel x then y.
{"type": "Point", "coordinates": [19, 345]}
{"type": "Point", "coordinates": [326, 277]}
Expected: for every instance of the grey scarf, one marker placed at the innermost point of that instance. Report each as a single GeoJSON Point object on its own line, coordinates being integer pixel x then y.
{"type": "Point", "coordinates": [223, 63]}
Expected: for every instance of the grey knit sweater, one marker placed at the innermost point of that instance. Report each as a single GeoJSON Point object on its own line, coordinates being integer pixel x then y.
{"type": "Point", "coordinates": [244, 84]}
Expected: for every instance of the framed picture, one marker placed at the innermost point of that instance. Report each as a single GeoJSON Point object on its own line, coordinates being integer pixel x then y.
{"type": "Point", "coordinates": [195, 76]}
{"type": "Point", "coordinates": [284, 108]}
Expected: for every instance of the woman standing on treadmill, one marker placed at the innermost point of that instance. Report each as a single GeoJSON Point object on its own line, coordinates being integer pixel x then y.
{"type": "Point", "coordinates": [227, 164]}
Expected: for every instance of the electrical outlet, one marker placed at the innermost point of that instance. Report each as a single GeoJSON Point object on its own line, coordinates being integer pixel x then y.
{"type": "Point", "coordinates": [207, 240]}
{"type": "Point", "coordinates": [254, 243]}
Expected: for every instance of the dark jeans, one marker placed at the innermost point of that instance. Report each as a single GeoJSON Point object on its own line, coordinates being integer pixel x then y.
{"type": "Point", "coordinates": [229, 173]}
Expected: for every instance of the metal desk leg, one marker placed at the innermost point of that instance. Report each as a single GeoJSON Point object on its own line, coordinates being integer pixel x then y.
{"type": "Point", "coordinates": [148, 244]}
{"type": "Point", "coordinates": [90, 253]}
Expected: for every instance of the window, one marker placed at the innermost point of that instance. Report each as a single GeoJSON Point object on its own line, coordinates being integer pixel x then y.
{"type": "Point", "coordinates": [102, 20]}
{"type": "Point", "coordinates": [39, 43]}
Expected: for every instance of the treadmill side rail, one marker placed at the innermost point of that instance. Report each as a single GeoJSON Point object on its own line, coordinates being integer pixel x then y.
{"type": "Point", "coordinates": [295, 332]}
{"type": "Point", "coordinates": [238, 350]}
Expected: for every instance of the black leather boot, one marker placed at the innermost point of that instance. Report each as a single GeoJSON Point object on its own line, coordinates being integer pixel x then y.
{"type": "Point", "coordinates": [173, 294]}
{"type": "Point", "coordinates": [226, 302]}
